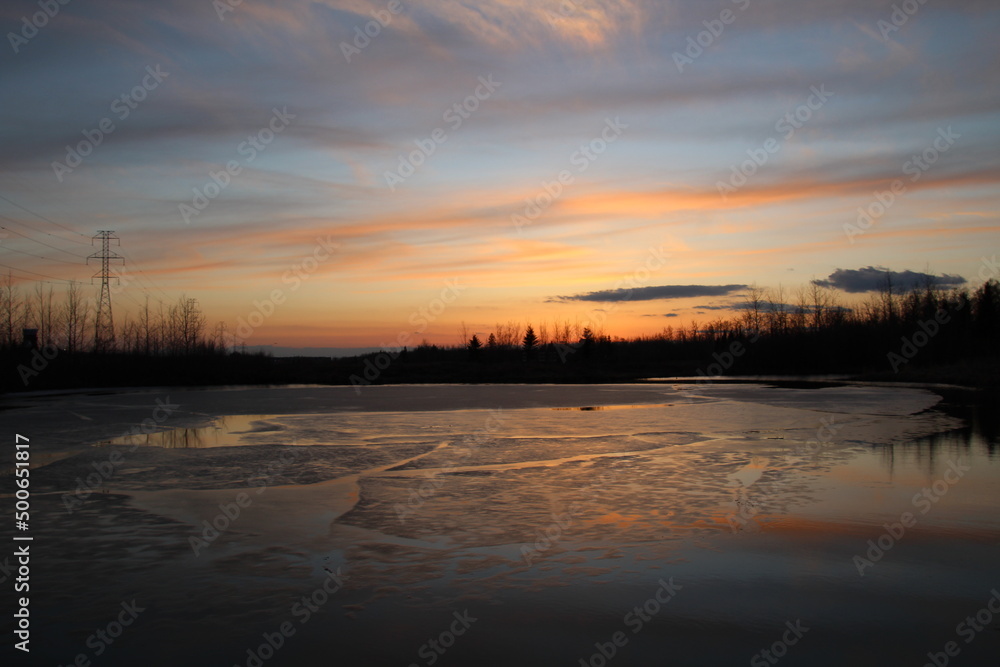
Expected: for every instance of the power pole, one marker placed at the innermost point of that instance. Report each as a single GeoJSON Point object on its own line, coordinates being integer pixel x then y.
{"type": "Point", "coordinates": [104, 325]}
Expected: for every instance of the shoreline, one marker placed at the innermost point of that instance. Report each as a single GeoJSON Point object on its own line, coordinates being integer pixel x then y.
{"type": "Point", "coordinates": [803, 381]}
{"type": "Point", "coordinates": [613, 366]}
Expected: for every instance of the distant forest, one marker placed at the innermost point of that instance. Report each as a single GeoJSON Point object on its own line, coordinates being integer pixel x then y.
{"type": "Point", "coordinates": [923, 334]}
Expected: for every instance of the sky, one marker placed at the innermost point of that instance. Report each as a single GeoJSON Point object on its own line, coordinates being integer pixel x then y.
{"type": "Point", "coordinates": [352, 173]}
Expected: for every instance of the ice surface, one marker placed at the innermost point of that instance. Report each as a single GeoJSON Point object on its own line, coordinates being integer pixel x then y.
{"type": "Point", "coordinates": [547, 515]}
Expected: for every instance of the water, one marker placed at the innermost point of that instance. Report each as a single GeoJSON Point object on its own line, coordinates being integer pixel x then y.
{"type": "Point", "coordinates": [552, 515]}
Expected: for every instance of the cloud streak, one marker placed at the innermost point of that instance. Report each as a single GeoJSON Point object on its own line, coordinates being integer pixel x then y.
{"type": "Point", "coordinates": [652, 293]}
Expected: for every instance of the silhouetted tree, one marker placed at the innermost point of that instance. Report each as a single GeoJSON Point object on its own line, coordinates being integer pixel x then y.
{"type": "Point", "coordinates": [587, 342]}
{"type": "Point", "coordinates": [74, 318]}
{"type": "Point", "coordinates": [986, 307]}
{"type": "Point", "coordinates": [529, 341]}
{"type": "Point", "coordinates": [753, 308]}
{"type": "Point", "coordinates": [474, 346]}
{"type": "Point", "coordinates": [13, 311]}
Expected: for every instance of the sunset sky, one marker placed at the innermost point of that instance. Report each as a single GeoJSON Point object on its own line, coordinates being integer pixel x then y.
{"type": "Point", "coordinates": [561, 152]}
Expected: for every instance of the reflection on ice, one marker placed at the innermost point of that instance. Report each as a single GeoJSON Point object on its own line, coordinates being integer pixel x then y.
{"type": "Point", "coordinates": [551, 508]}
{"type": "Point", "coordinates": [227, 431]}
{"type": "Point", "coordinates": [595, 408]}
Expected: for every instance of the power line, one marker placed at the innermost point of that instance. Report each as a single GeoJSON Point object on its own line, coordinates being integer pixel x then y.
{"type": "Point", "coordinates": [39, 231]}
{"type": "Point", "coordinates": [39, 215]}
{"type": "Point", "coordinates": [31, 254]}
{"type": "Point", "coordinates": [142, 277]}
{"type": "Point", "coordinates": [47, 245]}
{"type": "Point", "coordinates": [145, 276]}
{"type": "Point", "coordinates": [58, 280]}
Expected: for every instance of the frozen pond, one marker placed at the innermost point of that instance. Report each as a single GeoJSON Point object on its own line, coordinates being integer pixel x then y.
{"type": "Point", "coordinates": [659, 523]}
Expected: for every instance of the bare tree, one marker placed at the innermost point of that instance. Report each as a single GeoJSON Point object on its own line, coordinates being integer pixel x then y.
{"type": "Point", "coordinates": [220, 337]}
{"type": "Point", "coordinates": [543, 333]}
{"type": "Point", "coordinates": [819, 298]}
{"type": "Point", "coordinates": [191, 324]}
{"type": "Point", "coordinates": [564, 333]}
{"type": "Point", "coordinates": [185, 326]}
{"type": "Point", "coordinates": [509, 335]}
{"type": "Point", "coordinates": [148, 330]}
{"type": "Point", "coordinates": [515, 329]}
{"type": "Point", "coordinates": [75, 314]}
{"type": "Point", "coordinates": [836, 314]}
{"type": "Point", "coordinates": [777, 311]}
{"type": "Point", "coordinates": [870, 311]}
{"type": "Point", "coordinates": [171, 326]}
{"type": "Point", "coordinates": [160, 330]}
{"type": "Point", "coordinates": [693, 331]}
{"type": "Point", "coordinates": [27, 318]}
{"type": "Point", "coordinates": [753, 307]}
{"type": "Point", "coordinates": [130, 336]}
{"type": "Point", "coordinates": [46, 316]}
{"type": "Point", "coordinates": [889, 305]}
{"type": "Point", "coordinates": [12, 311]}
{"type": "Point", "coordinates": [801, 312]}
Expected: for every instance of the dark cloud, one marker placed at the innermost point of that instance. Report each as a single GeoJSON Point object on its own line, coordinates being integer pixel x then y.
{"type": "Point", "coordinates": [653, 292]}
{"type": "Point", "coordinates": [872, 279]}
{"type": "Point", "coordinates": [719, 306]}
{"type": "Point", "coordinates": [766, 306]}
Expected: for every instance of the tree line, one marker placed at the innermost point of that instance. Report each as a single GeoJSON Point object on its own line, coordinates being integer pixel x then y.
{"type": "Point", "coordinates": [68, 321]}
{"type": "Point", "coordinates": [886, 331]}
{"type": "Point", "coordinates": [891, 332]}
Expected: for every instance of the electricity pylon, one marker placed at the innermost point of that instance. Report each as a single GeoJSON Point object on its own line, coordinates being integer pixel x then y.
{"type": "Point", "coordinates": [104, 323]}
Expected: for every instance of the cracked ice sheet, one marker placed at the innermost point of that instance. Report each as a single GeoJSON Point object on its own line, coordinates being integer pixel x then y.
{"type": "Point", "coordinates": [635, 494]}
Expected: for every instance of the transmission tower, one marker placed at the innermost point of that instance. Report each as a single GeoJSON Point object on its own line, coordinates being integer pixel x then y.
{"type": "Point", "coordinates": [104, 323]}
